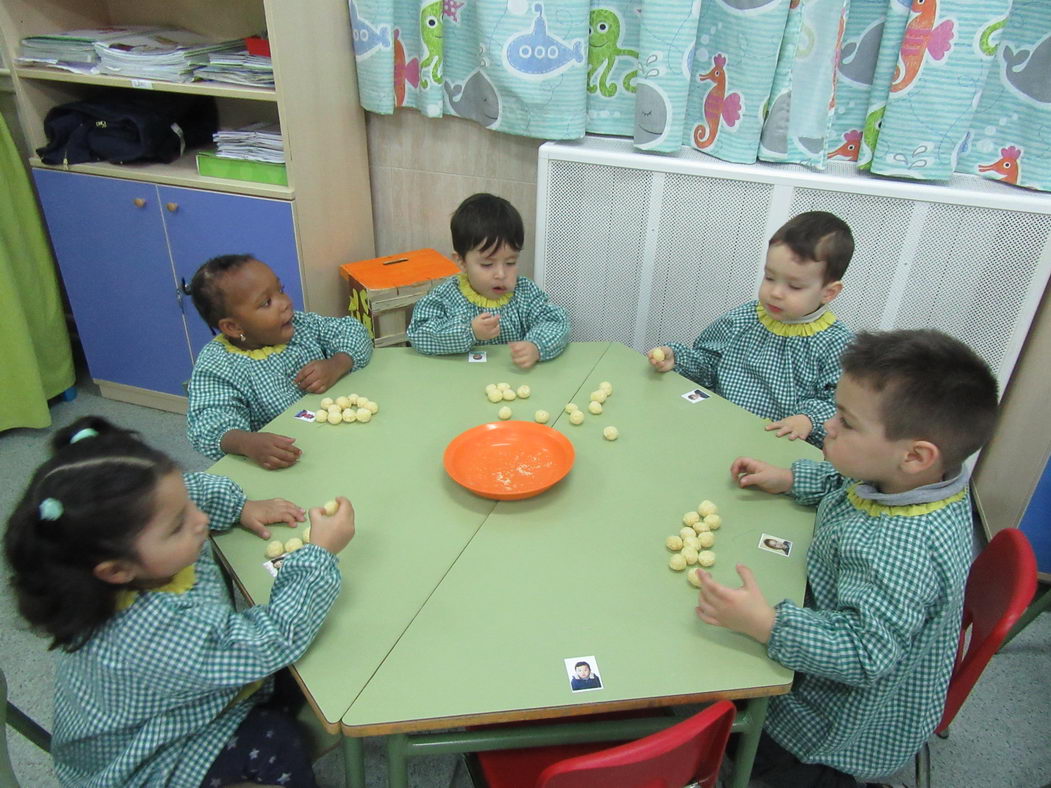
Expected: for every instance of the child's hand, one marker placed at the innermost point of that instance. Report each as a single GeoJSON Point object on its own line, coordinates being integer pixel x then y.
{"type": "Point", "coordinates": [269, 450]}
{"type": "Point", "coordinates": [795, 427]}
{"type": "Point", "coordinates": [665, 364]}
{"type": "Point", "coordinates": [256, 515]}
{"type": "Point", "coordinates": [524, 354]}
{"type": "Point", "coordinates": [756, 473]}
{"type": "Point", "coordinates": [333, 532]}
{"type": "Point", "coordinates": [319, 376]}
{"type": "Point", "coordinates": [741, 609]}
{"type": "Point", "coordinates": [486, 326]}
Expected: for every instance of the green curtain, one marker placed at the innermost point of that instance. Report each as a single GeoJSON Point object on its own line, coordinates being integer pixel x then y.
{"type": "Point", "coordinates": [36, 363]}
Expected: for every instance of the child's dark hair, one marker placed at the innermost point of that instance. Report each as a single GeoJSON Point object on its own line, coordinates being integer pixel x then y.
{"type": "Point", "coordinates": [484, 222]}
{"type": "Point", "coordinates": [84, 506]}
{"type": "Point", "coordinates": [819, 236]}
{"type": "Point", "coordinates": [933, 388]}
{"type": "Point", "coordinates": [205, 290]}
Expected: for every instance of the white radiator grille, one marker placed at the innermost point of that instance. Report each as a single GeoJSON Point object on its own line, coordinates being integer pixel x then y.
{"type": "Point", "coordinates": [646, 249]}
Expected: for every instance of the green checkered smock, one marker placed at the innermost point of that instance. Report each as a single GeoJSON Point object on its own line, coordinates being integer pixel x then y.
{"type": "Point", "coordinates": [234, 389]}
{"type": "Point", "coordinates": [441, 320]}
{"type": "Point", "coordinates": [771, 368]}
{"type": "Point", "coordinates": [875, 648]}
{"type": "Point", "coordinates": [158, 690]}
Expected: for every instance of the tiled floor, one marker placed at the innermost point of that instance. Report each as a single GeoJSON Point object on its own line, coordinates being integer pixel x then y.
{"type": "Point", "coordinates": [1000, 738]}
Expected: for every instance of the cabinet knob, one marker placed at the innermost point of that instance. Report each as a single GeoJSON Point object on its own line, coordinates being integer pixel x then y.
{"type": "Point", "coordinates": [139, 202]}
{"type": "Point", "coordinates": [172, 206]}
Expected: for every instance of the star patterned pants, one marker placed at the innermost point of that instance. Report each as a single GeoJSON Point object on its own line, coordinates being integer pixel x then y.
{"type": "Point", "coordinates": [268, 749]}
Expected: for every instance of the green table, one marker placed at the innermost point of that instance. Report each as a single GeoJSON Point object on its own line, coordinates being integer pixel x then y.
{"type": "Point", "coordinates": [457, 610]}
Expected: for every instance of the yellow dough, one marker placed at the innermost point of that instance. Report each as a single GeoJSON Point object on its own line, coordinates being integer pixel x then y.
{"type": "Point", "coordinates": [490, 387]}
{"type": "Point", "coordinates": [541, 416]}
{"type": "Point", "coordinates": [274, 548]}
{"type": "Point", "coordinates": [701, 527]}
{"type": "Point", "coordinates": [598, 396]}
{"type": "Point", "coordinates": [327, 403]}
{"type": "Point", "coordinates": [509, 394]}
{"type": "Point", "coordinates": [706, 558]}
{"type": "Point", "coordinates": [657, 354]}
{"type": "Point", "coordinates": [342, 402]}
{"type": "Point", "coordinates": [706, 539]}
{"type": "Point", "coordinates": [503, 386]}
{"type": "Point", "coordinates": [713, 521]}
{"type": "Point", "coordinates": [321, 416]}
{"type": "Point", "coordinates": [610, 433]}
{"type": "Point", "coordinates": [607, 387]}
{"type": "Point", "coordinates": [706, 508]}
{"type": "Point", "coordinates": [690, 554]}
{"type": "Point", "coordinates": [595, 407]}
{"type": "Point", "coordinates": [673, 543]}
{"type": "Point", "coordinates": [306, 535]}
{"type": "Point", "coordinates": [504, 413]}
{"type": "Point", "coordinates": [685, 533]}
{"type": "Point", "coordinates": [690, 518]}
{"type": "Point", "coordinates": [495, 395]}
{"type": "Point", "coordinates": [372, 407]}
{"type": "Point", "coordinates": [524, 391]}
{"type": "Point", "coordinates": [355, 398]}
{"type": "Point", "coordinates": [364, 415]}
{"type": "Point", "coordinates": [293, 544]}
{"type": "Point", "coordinates": [570, 407]}
{"type": "Point", "coordinates": [331, 507]}
{"type": "Point", "coordinates": [350, 415]}
{"type": "Point", "coordinates": [692, 541]}
{"type": "Point", "coordinates": [694, 576]}
{"type": "Point", "coordinates": [677, 562]}
{"type": "Point", "coordinates": [576, 417]}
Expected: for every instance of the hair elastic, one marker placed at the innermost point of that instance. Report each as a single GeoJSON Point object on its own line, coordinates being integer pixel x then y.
{"type": "Point", "coordinates": [87, 432]}
{"type": "Point", "coordinates": [50, 509]}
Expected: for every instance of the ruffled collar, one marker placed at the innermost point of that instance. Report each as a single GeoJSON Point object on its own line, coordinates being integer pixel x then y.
{"type": "Point", "coordinates": [920, 500]}
{"type": "Point", "coordinates": [477, 299]}
{"type": "Point", "coordinates": [806, 326]}
{"type": "Point", "coordinates": [182, 582]}
{"type": "Point", "coordinates": [258, 354]}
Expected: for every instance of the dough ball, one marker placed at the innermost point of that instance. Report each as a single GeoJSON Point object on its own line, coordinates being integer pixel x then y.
{"type": "Point", "coordinates": [342, 402]}
{"type": "Point", "coordinates": [685, 533]}
{"type": "Point", "coordinates": [607, 387]}
{"type": "Point", "coordinates": [321, 416]}
{"type": "Point", "coordinates": [293, 544]}
{"type": "Point", "coordinates": [509, 394]}
{"type": "Point", "coordinates": [706, 539]}
{"type": "Point", "coordinates": [576, 417]}
{"type": "Point", "coordinates": [598, 396]}
{"type": "Point", "coordinates": [495, 395]}
{"type": "Point", "coordinates": [503, 386]}
{"type": "Point", "coordinates": [690, 518]}
{"type": "Point", "coordinates": [490, 387]}
{"type": "Point", "coordinates": [694, 576]}
{"type": "Point", "coordinates": [701, 527]}
{"type": "Point", "coordinates": [504, 413]}
{"type": "Point", "coordinates": [524, 391]}
{"type": "Point", "coordinates": [327, 403]}
{"type": "Point", "coordinates": [690, 554]}
{"type": "Point", "coordinates": [673, 543]}
{"type": "Point", "coordinates": [657, 354]}
{"type": "Point", "coordinates": [610, 433]}
{"type": "Point", "coordinates": [350, 415]}
{"type": "Point", "coordinates": [706, 558]}
{"type": "Point", "coordinates": [274, 548]}
{"type": "Point", "coordinates": [364, 415]}
{"type": "Point", "coordinates": [677, 562]}
{"type": "Point", "coordinates": [372, 407]}
{"type": "Point", "coordinates": [353, 400]}
{"type": "Point", "coordinates": [541, 416]}
{"type": "Point", "coordinates": [330, 507]}
{"type": "Point", "coordinates": [595, 407]}
{"type": "Point", "coordinates": [713, 521]}
{"type": "Point", "coordinates": [570, 407]}
{"type": "Point", "coordinates": [706, 508]}
{"type": "Point", "coordinates": [692, 541]}
{"type": "Point", "coordinates": [306, 535]}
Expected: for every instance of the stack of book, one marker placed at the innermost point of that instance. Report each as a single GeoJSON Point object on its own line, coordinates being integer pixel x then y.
{"type": "Point", "coordinates": [251, 153]}
{"type": "Point", "coordinates": [238, 68]}
{"type": "Point", "coordinates": [73, 50]}
{"type": "Point", "coordinates": [169, 55]}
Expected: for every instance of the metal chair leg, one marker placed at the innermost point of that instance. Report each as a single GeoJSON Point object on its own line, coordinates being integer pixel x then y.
{"type": "Point", "coordinates": [923, 767]}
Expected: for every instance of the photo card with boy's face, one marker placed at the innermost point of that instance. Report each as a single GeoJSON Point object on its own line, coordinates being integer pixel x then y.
{"type": "Point", "coordinates": [695, 395]}
{"type": "Point", "coordinates": [776, 545]}
{"type": "Point", "coordinates": [583, 673]}
{"type": "Point", "coordinates": [476, 356]}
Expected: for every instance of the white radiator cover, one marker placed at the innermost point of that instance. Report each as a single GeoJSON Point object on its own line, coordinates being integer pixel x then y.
{"type": "Point", "coordinates": [645, 249]}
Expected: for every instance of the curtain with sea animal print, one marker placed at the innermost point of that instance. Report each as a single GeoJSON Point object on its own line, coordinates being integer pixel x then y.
{"type": "Point", "coordinates": [906, 88]}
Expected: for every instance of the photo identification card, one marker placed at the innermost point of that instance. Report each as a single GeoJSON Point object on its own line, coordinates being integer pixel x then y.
{"type": "Point", "coordinates": [274, 564]}
{"type": "Point", "coordinates": [476, 356]}
{"type": "Point", "coordinates": [775, 544]}
{"type": "Point", "coordinates": [304, 415]}
{"type": "Point", "coordinates": [583, 673]}
{"type": "Point", "coordinates": [695, 395]}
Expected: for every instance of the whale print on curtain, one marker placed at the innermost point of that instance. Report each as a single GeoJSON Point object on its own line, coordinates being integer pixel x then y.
{"type": "Point", "coordinates": [906, 88]}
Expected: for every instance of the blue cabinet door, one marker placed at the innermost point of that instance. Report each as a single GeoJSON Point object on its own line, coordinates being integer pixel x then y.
{"type": "Point", "coordinates": [202, 225]}
{"type": "Point", "coordinates": [109, 240]}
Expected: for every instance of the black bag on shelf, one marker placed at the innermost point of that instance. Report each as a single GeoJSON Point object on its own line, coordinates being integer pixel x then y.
{"type": "Point", "coordinates": [124, 126]}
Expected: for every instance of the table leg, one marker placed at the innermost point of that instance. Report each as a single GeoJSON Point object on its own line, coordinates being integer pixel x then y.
{"type": "Point", "coordinates": [755, 712]}
{"type": "Point", "coordinates": [397, 761]}
{"type": "Point", "coordinates": [354, 761]}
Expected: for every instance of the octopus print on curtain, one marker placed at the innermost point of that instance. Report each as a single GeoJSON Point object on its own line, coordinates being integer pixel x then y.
{"type": "Point", "coordinates": [905, 88]}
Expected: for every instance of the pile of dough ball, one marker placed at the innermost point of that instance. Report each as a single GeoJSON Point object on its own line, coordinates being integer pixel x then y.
{"type": "Point", "coordinates": [692, 544]}
{"type": "Point", "coordinates": [596, 403]}
{"type": "Point", "coordinates": [503, 392]}
{"type": "Point", "coordinates": [276, 548]}
{"type": "Point", "coordinates": [346, 410]}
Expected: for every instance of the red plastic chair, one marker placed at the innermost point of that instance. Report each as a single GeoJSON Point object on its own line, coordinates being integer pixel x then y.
{"type": "Point", "coordinates": [1000, 584]}
{"type": "Point", "coordinates": [691, 750]}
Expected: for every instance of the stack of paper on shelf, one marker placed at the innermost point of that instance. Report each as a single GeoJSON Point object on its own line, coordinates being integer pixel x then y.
{"type": "Point", "coordinates": [169, 55]}
{"type": "Point", "coordinates": [259, 141]}
{"type": "Point", "coordinates": [73, 50]}
{"type": "Point", "coordinates": [238, 68]}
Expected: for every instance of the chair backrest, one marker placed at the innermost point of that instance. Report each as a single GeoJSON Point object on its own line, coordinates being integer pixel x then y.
{"type": "Point", "coordinates": [1000, 585]}
{"type": "Point", "coordinates": [691, 750]}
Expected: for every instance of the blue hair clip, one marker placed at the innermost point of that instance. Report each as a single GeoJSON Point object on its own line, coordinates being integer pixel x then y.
{"type": "Point", "coordinates": [87, 432]}
{"type": "Point", "coordinates": [50, 509]}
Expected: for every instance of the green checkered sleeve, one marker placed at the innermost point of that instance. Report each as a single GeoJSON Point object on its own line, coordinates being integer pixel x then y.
{"type": "Point", "coordinates": [699, 363]}
{"type": "Point", "coordinates": [222, 499]}
{"type": "Point", "coordinates": [441, 322]}
{"type": "Point", "coordinates": [339, 335]}
{"type": "Point", "coordinates": [812, 481]}
{"type": "Point", "coordinates": [547, 324]}
{"type": "Point", "coordinates": [219, 401]}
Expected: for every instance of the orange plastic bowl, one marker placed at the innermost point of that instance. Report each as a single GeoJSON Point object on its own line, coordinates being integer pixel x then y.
{"type": "Point", "coordinates": [509, 460]}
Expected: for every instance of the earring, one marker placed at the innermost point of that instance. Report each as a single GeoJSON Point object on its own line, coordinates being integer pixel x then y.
{"type": "Point", "coordinates": [242, 336]}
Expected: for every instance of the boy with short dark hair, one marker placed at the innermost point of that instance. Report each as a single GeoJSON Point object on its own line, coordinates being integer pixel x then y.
{"type": "Point", "coordinates": [887, 567]}
{"type": "Point", "coordinates": [489, 303]}
{"type": "Point", "coordinates": [778, 356]}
